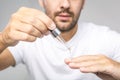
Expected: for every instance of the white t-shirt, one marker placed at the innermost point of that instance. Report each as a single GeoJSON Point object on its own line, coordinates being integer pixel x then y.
{"type": "Point", "coordinates": [44, 58]}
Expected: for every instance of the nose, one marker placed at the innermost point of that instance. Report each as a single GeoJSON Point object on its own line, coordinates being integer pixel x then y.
{"type": "Point", "coordinates": [65, 4]}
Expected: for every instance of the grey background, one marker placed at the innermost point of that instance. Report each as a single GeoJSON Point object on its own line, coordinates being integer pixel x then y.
{"type": "Point", "coordinates": [102, 12]}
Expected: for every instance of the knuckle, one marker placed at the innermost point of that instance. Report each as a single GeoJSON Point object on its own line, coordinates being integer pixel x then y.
{"type": "Point", "coordinates": [22, 8]}
{"type": "Point", "coordinates": [10, 28]}
{"type": "Point", "coordinates": [13, 15]}
{"type": "Point", "coordinates": [41, 36]}
{"type": "Point", "coordinates": [26, 37]}
{"type": "Point", "coordinates": [12, 24]}
{"type": "Point", "coordinates": [48, 22]}
{"type": "Point", "coordinates": [30, 29]}
{"type": "Point", "coordinates": [12, 36]}
{"type": "Point", "coordinates": [38, 34]}
{"type": "Point", "coordinates": [29, 38]}
{"type": "Point", "coordinates": [32, 20]}
{"type": "Point", "coordinates": [33, 39]}
{"type": "Point", "coordinates": [45, 19]}
{"type": "Point", "coordinates": [41, 27]}
{"type": "Point", "coordinates": [44, 30]}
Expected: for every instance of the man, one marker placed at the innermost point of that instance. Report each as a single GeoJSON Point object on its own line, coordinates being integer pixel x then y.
{"type": "Point", "coordinates": [92, 53]}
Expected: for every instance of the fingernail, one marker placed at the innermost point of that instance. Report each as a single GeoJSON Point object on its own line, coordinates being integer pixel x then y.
{"type": "Point", "coordinates": [71, 64]}
{"type": "Point", "coordinates": [41, 36]}
{"type": "Point", "coordinates": [82, 68]}
{"type": "Point", "coordinates": [52, 26]}
{"type": "Point", "coordinates": [68, 60]}
{"type": "Point", "coordinates": [48, 32]}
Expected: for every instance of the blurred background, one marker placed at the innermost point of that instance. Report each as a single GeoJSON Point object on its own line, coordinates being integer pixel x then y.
{"type": "Point", "coordinates": [101, 12]}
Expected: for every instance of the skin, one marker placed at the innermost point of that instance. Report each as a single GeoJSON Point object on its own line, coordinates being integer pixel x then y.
{"type": "Point", "coordinates": [58, 9]}
{"type": "Point", "coordinates": [27, 24]}
{"type": "Point", "coordinates": [102, 66]}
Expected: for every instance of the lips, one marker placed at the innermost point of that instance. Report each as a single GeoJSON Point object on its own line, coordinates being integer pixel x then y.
{"type": "Point", "coordinates": [64, 17]}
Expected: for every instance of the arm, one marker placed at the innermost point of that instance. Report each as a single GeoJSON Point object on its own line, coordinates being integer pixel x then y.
{"type": "Point", "coordinates": [2, 45]}
{"type": "Point", "coordinates": [6, 59]}
{"type": "Point", "coordinates": [102, 66]}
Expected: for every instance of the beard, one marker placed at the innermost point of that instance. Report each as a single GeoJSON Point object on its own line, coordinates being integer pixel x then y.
{"type": "Point", "coordinates": [69, 25]}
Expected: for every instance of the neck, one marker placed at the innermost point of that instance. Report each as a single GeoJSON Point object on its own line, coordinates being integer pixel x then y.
{"type": "Point", "coordinates": [68, 35]}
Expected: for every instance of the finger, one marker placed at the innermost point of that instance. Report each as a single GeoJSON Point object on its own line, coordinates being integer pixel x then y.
{"type": "Point", "coordinates": [74, 65]}
{"type": "Point", "coordinates": [21, 36]}
{"type": "Point", "coordinates": [35, 22]}
{"type": "Point", "coordinates": [67, 60]}
{"type": "Point", "coordinates": [38, 14]}
{"type": "Point", "coordinates": [84, 58]}
{"type": "Point", "coordinates": [82, 64]}
{"type": "Point", "coordinates": [88, 69]}
{"type": "Point", "coordinates": [47, 21]}
{"type": "Point", "coordinates": [29, 29]}
{"type": "Point", "coordinates": [40, 26]}
{"type": "Point", "coordinates": [93, 68]}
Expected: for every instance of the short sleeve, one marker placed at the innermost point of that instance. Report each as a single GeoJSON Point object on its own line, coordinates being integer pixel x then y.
{"type": "Point", "coordinates": [117, 53]}
{"type": "Point", "coordinates": [117, 47]}
{"type": "Point", "coordinates": [17, 52]}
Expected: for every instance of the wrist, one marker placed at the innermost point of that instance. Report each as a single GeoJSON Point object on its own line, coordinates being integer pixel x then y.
{"type": "Point", "coordinates": [2, 45]}
{"type": "Point", "coordinates": [2, 42]}
{"type": "Point", "coordinates": [116, 71]}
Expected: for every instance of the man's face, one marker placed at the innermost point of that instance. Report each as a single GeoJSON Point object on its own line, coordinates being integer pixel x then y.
{"type": "Point", "coordinates": [64, 13]}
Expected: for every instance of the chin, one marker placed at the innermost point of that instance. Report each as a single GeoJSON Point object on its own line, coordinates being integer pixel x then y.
{"type": "Point", "coordinates": [64, 26]}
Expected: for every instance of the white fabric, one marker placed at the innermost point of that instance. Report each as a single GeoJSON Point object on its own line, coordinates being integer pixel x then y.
{"type": "Point", "coordinates": [44, 58]}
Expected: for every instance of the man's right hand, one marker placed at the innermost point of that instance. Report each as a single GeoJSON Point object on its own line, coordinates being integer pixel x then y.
{"type": "Point", "coordinates": [26, 25]}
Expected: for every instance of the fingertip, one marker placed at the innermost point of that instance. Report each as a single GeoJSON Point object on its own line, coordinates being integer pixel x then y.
{"type": "Point", "coordinates": [52, 26]}
{"type": "Point", "coordinates": [83, 69]}
{"type": "Point", "coordinates": [41, 36]}
{"type": "Point", "coordinates": [48, 32]}
{"type": "Point", "coordinates": [67, 60]}
{"type": "Point", "coordinates": [72, 64]}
